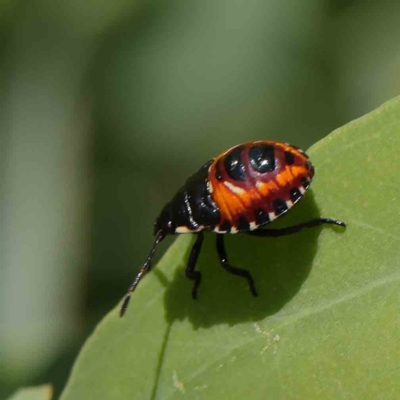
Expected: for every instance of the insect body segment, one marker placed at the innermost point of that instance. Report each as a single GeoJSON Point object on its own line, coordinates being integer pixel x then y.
{"type": "Point", "coordinates": [243, 189]}
{"type": "Point", "coordinates": [192, 209]}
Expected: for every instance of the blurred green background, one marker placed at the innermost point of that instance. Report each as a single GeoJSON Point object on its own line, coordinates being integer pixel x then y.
{"type": "Point", "coordinates": [107, 106]}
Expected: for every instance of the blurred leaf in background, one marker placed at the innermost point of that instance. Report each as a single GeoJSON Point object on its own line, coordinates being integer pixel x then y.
{"type": "Point", "coordinates": [106, 107]}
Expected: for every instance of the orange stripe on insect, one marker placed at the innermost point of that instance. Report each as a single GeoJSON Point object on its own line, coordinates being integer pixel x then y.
{"type": "Point", "coordinates": [235, 203]}
{"type": "Point", "coordinates": [284, 178]}
{"type": "Point", "coordinates": [266, 188]}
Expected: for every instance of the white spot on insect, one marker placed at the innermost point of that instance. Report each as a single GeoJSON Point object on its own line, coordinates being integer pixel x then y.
{"type": "Point", "coordinates": [233, 188]}
{"type": "Point", "coordinates": [177, 383]}
{"type": "Point", "coordinates": [302, 190]}
{"type": "Point", "coordinates": [289, 203]}
{"type": "Point", "coordinates": [253, 226]}
{"type": "Point", "coordinates": [234, 230]}
{"type": "Point", "coordinates": [272, 216]}
{"type": "Point", "coordinates": [209, 186]}
{"type": "Point", "coordinates": [185, 229]}
{"type": "Point", "coordinates": [182, 229]}
{"type": "Point", "coordinates": [259, 184]}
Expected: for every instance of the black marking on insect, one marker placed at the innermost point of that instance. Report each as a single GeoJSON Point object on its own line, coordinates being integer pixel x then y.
{"type": "Point", "coordinates": [289, 157]}
{"type": "Point", "coordinates": [233, 164]}
{"type": "Point", "coordinates": [262, 157]}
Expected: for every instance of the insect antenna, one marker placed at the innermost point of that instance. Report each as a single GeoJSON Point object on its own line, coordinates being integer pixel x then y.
{"type": "Point", "coordinates": [145, 268]}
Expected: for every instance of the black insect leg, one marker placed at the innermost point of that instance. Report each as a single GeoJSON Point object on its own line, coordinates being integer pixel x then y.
{"type": "Point", "coordinates": [190, 272]}
{"type": "Point", "coordinates": [233, 270]}
{"type": "Point", "coordinates": [295, 228]}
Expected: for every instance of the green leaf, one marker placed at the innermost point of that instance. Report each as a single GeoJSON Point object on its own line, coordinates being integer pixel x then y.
{"type": "Point", "coordinates": [327, 320]}
{"type": "Point", "coordinates": [44, 392]}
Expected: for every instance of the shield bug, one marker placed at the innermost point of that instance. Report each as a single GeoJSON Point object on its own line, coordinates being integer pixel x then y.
{"type": "Point", "coordinates": [240, 191]}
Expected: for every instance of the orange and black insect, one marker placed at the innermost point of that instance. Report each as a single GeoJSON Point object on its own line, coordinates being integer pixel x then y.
{"type": "Point", "coordinates": [243, 189]}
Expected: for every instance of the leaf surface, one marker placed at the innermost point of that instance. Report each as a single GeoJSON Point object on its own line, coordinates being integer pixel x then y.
{"type": "Point", "coordinates": [327, 320]}
{"type": "Point", "coordinates": [44, 392]}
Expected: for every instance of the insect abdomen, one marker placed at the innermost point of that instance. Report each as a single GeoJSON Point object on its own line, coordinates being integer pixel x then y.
{"type": "Point", "coordinates": [256, 182]}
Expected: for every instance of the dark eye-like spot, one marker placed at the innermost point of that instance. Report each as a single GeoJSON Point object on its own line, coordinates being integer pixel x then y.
{"type": "Point", "coordinates": [218, 174]}
{"type": "Point", "coordinates": [295, 194]}
{"type": "Point", "coordinates": [262, 158]}
{"type": "Point", "coordinates": [243, 224]}
{"type": "Point", "coordinates": [305, 182]}
{"type": "Point", "coordinates": [262, 217]}
{"type": "Point", "coordinates": [234, 165]}
{"type": "Point", "coordinates": [289, 158]}
{"type": "Point", "coordinates": [225, 226]}
{"type": "Point", "coordinates": [280, 206]}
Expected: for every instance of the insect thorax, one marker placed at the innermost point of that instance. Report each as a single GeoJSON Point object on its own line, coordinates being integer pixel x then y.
{"type": "Point", "coordinates": [192, 209]}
